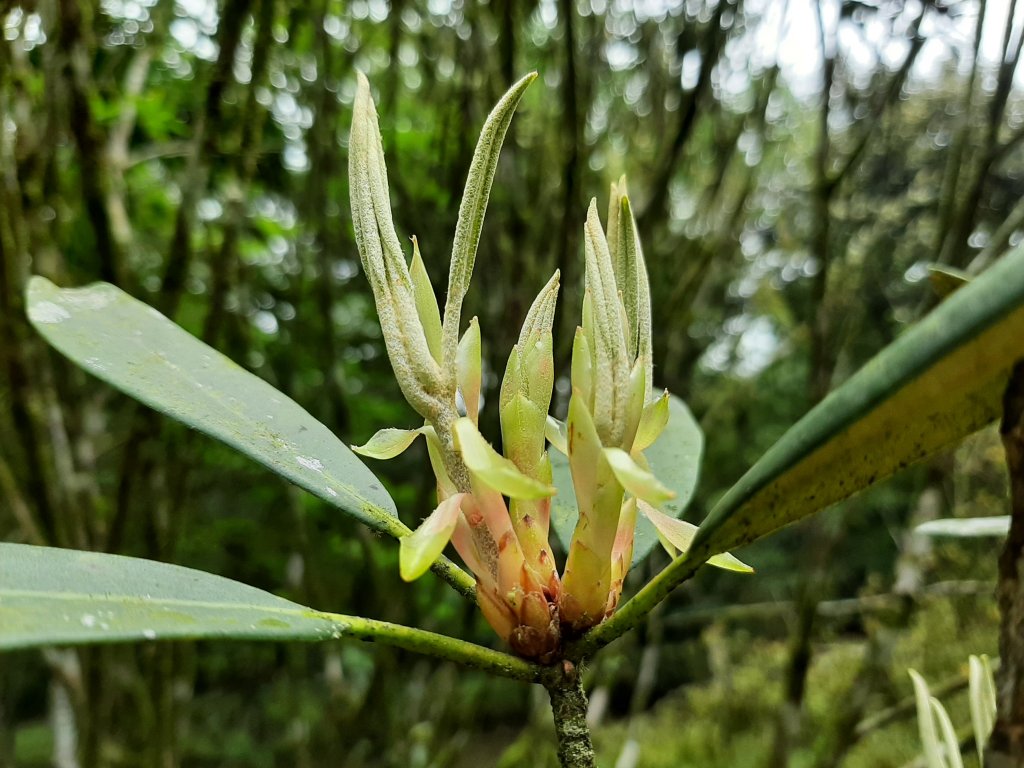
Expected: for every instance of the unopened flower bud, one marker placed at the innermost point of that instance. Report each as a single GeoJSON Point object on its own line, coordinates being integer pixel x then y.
{"type": "Point", "coordinates": [611, 386]}
{"type": "Point", "coordinates": [524, 402]}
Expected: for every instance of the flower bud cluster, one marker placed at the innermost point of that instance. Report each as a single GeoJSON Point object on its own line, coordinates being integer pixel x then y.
{"type": "Point", "coordinates": [495, 508]}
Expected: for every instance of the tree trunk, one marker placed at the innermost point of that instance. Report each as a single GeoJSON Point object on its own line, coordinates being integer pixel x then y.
{"type": "Point", "coordinates": [569, 708]}
{"type": "Point", "coordinates": [1006, 746]}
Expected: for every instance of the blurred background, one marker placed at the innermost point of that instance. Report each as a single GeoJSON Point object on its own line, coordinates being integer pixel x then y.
{"type": "Point", "coordinates": [795, 166]}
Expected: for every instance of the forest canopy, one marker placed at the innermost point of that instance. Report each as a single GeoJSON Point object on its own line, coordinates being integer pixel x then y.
{"type": "Point", "coordinates": [797, 170]}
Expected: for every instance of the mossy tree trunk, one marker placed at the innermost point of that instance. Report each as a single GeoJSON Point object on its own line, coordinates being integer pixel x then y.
{"type": "Point", "coordinates": [1006, 747]}
{"type": "Point", "coordinates": [569, 709]}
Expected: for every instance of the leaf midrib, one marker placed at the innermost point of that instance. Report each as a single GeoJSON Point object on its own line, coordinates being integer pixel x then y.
{"type": "Point", "coordinates": [299, 610]}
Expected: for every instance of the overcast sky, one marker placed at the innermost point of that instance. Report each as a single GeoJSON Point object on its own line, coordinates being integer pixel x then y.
{"type": "Point", "coordinates": [799, 52]}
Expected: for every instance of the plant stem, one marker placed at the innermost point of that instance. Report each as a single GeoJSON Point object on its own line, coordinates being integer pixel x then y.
{"type": "Point", "coordinates": [569, 708]}
{"type": "Point", "coordinates": [433, 644]}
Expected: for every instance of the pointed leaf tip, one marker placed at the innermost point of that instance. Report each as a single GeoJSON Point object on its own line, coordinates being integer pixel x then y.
{"type": "Point", "coordinates": [474, 207]}
{"type": "Point", "coordinates": [652, 423]}
{"type": "Point", "coordinates": [676, 537]}
{"type": "Point", "coordinates": [982, 699]}
{"type": "Point", "coordinates": [426, 302]}
{"type": "Point", "coordinates": [557, 434]}
{"type": "Point", "coordinates": [926, 722]}
{"type": "Point", "coordinates": [362, 83]}
{"type": "Point", "coordinates": [468, 371]}
{"type": "Point", "coordinates": [635, 479]}
{"type": "Point", "coordinates": [540, 317]}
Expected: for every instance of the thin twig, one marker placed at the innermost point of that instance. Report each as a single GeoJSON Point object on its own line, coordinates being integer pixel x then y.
{"type": "Point", "coordinates": [436, 645]}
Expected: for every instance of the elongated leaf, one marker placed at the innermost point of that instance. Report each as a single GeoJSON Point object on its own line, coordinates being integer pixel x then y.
{"type": "Point", "coordinates": [951, 744]}
{"type": "Point", "coordinates": [635, 479]}
{"type": "Point", "coordinates": [139, 351]}
{"type": "Point", "coordinates": [930, 744]}
{"type": "Point", "coordinates": [60, 596]}
{"type": "Point", "coordinates": [940, 381]}
{"type": "Point", "coordinates": [966, 527]}
{"type": "Point", "coordinates": [652, 422]}
{"type": "Point", "coordinates": [426, 302]}
{"type": "Point", "coordinates": [468, 371]}
{"type": "Point", "coordinates": [982, 698]}
{"type": "Point", "coordinates": [674, 458]}
{"type": "Point", "coordinates": [677, 535]}
{"type": "Point", "coordinates": [474, 206]}
{"type": "Point", "coordinates": [51, 596]}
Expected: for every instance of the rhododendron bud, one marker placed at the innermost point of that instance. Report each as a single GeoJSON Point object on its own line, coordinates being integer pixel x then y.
{"type": "Point", "coordinates": [611, 393]}
{"type": "Point", "coordinates": [495, 507]}
{"type": "Point", "coordinates": [517, 584]}
{"type": "Point", "coordinates": [524, 403]}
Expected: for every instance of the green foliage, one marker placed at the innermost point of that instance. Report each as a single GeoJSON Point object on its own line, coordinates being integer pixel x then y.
{"type": "Point", "coordinates": [58, 596]}
{"type": "Point", "coordinates": [725, 718]}
{"type": "Point", "coordinates": [136, 349]}
{"type": "Point", "coordinates": [940, 382]}
{"type": "Point", "coordinates": [52, 595]}
{"type": "Point", "coordinates": [248, 157]}
{"type": "Point", "coordinates": [939, 740]}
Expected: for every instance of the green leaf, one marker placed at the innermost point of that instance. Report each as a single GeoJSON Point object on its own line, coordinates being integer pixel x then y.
{"type": "Point", "coordinates": [677, 535]}
{"type": "Point", "coordinates": [982, 698]}
{"type": "Point", "coordinates": [639, 308]}
{"type": "Point", "coordinates": [652, 422]}
{"type": "Point", "coordinates": [940, 381]}
{"type": "Point", "coordinates": [555, 433]}
{"type": "Point", "coordinates": [468, 371]}
{"type": "Point", "coordinates": [635, 479]}
{"type": "Point", "coordinates": [388, 443]}
{"type": "Point", "coordinates": [55, 596]}
{"type": "Point", "coordinates": [606, 337]}
{"type": "Point", "coordinates": [140, 352]}
{"type": "Point", "coordinates": [541, 316]}
{"type": "Point", "coordinates": [426, 302]}
{"type": "Point", "coordinates": [926, 723]}
{"type": "Point", "coordinates": [474, 207]}
{"type": "Point", "coordinates": [397, 298]}
{"type": "Point", "coordinates": [950, 742]}
{"type": "Point", "coordinates": [674, 458]}
{"type": "Point", "coordinates": [966, 527]}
